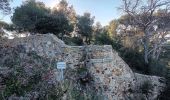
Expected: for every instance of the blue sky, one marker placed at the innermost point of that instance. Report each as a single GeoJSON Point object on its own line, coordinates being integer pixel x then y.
{"type": "Point", "coordinates": [103, 10]}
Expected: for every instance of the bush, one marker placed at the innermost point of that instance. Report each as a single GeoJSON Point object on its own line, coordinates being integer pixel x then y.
{"type": "Point", "coordinates": [134, 59]}
{"type": "Point", "coordinates": [146, 87]}
{"type": "Point", "coordinates": [73, 41]}
{"type": "Point", "coordinates": [25, 74]}
{"type": "Point", "coordinates": [105, 39]}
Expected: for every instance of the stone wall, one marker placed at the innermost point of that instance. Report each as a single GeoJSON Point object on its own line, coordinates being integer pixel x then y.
{"type": "Point", "coordinates": [111, 74]}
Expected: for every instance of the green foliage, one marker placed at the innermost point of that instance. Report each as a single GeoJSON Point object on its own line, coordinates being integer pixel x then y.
{"type": "Point", "coordinates": [81, 70]}
{"type": "Point", "coordinates": [22, 75]}
{"type": "Point", "coordinates": [73, 41]}
{"type": "Point", "coordinates": [131, 56]}
{"type": "Point", "coordinates": [26, 16]}
{"type": "Point", "coordinates": [163, 69]}
{"type": "Point", "coordinates": [56, 24]}
{"type": "Point", "coordinates": [134, 59]}
{"type": "Point", "coordinates": [3, 24]}
{"type": "Point", "coordinates": [85, 95]}
{"type": "Point", "coordinates": [35, 17]}
{"type": "Point", "coordinates": [11, 27]}
{"type": "Point", "coordinates": [98, 28]}
{"type": "Point", "coordinates": [85, 88]}
{"type": "Point", "coordinates": [30, 76]}
{"type": "Point", "coordinates": [105, 39]}
{"type": "Point", "coordinates": [85, 28]}
{"type": "Point", "coordinates": [59, 22]}
{"type": "Point", "coordinates": [157, 68]}
{"type": "Point", "coordinates": [5, 6]}
{"type": "Point", "coordinates": [112, 28]}
{"type": "Point", "coordinates": [146, 87]}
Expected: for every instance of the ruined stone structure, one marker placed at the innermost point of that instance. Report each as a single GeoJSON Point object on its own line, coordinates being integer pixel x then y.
{"type": "Point", "coordinates": [110, 72]}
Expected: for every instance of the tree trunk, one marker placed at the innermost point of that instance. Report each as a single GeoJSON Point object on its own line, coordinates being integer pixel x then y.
{"type": "Point", "coordinates": [146, 54]}
{"type": "Point", "coordinates": [62, 36]}
{"type": "Point", "coordinates": [158, 53]}
{"type": "Point", "coordinates": [154, 51]}
{"type": "Point", "coordinates": [146, 47]}
{"type": "Point", "coordinates": [89, 39]}
{"type": "Point", "coordinates": [86, 40]}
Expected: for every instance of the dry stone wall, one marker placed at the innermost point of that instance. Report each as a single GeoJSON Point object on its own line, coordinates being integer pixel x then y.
{"type": "Point", "coordinates": [110, 72]}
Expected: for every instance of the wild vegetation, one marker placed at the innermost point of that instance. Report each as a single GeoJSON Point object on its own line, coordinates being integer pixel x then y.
{"type": "Point", "coordinates": [139, 36]}
{"type": "Point", "coordinates": [33, 77]}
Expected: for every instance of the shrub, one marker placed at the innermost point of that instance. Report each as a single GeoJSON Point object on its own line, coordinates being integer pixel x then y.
{"type": "Point", "coordinates": [25, 74]}
{"type": "Point", "coordinates": [74, 41]}
{"type": "Point", "coordinates": [146, 87]}
{"type": "Point", "coordinates": [105, 39]}
{"type": "Point", "coordinates": [134, 59]}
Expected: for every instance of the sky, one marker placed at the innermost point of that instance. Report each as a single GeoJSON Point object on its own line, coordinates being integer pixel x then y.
{"type": "Point", "coordinates": [103, 10]}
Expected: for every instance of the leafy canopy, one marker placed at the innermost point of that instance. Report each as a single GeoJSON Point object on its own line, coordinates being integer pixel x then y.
{"type": "Point", "coordinates": [84, 25]}
{"type": "Point", "coordinates": [26, 16]}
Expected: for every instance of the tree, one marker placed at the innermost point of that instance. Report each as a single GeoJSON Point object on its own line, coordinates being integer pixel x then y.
{"type": "Point", "coordinates": [163, 29]}
{"type": "Point", "coordinates": [112, 28]}
{"type": "Point", "coordinates": [130, 35]}
{"type": "Point", "coordinates": [56, 24]}
{"type": "Point", "coordinates": [69, 13]}
{"type": "Point", "coordinates": [27, 15]}
{"type": "Point", "coordinates": [62, 6]}
{"type": "Point", "coordinates": [67, 10]}
{"type": "Point", "coordinates": [103, 39]}
{"type": "Point", "coordinates": [85, 26]}
{"type": "Point", "coordinates": [98, 28]}
{"type": "Point", "coordinates": [142, 17]}
{"type": "Point", "coordinates": [72, 15]}
{"type": "Point", "coordinates": [5, 7]}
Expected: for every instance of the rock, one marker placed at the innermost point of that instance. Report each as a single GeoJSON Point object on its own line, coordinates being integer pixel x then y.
{"type": "Point", "coordinates": [110, 73]}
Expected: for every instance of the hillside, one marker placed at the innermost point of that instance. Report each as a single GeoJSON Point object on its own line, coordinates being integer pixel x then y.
{"type": "Point", "coordinates": [28, 70]}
